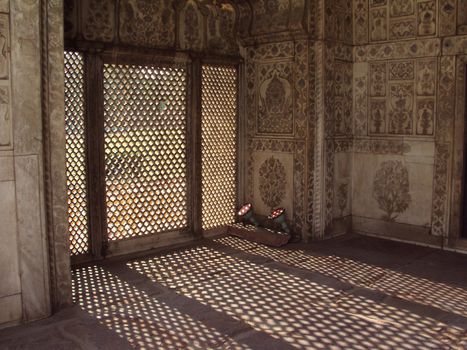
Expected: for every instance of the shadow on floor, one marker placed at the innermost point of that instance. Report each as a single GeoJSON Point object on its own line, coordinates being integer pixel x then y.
{"type": "Point", "coordinates": [348, 293]}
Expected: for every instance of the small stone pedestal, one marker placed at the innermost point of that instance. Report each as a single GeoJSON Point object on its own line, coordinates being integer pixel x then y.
{"type": "Point", "coordinates": [259, 234]}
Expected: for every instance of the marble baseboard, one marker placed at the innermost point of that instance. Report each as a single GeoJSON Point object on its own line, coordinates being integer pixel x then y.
{"type": "Point", "coordinates": [395, 230]}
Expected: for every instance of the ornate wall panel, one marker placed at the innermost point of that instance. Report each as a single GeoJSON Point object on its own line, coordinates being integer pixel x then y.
{"type": "Point", "coordinates": [402, 96]}
{"type": "Point", "coordinates": [277, 97]}
{"type": "Point", "coordinates": [393, 20]}
{"type": "Point", "coordinates": [276, 177]}
{"type": "Point", "coordinates": [277, 89]}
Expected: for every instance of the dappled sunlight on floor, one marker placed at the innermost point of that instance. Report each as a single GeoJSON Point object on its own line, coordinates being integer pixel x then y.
{"type": "Point", "coordinates": [234, 294]}
{"type": "Point", "coordinates": [143, 320]}
{"type": "Point", "coordinates": [421, 290]}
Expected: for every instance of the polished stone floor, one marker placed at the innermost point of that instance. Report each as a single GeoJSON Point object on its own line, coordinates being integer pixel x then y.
{"type": "Point", "coordinates": [351, 292]}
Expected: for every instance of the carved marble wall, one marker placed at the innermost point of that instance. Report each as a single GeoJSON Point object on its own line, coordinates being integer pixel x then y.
{"type": "Point", "coordinates": [165, 24]}
{"type": "Point", "coordinates": [299, 104]}
{"type": "Point", "coordinates": [404, 108]}
{"type": "Point", "coordinates": [277, 111]}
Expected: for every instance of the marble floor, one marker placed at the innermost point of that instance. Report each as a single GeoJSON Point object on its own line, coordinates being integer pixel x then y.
{"type": "Point", "coordinates": [351, 292]}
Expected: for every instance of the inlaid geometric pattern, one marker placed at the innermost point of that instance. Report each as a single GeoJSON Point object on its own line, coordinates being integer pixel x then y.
{"type": "Point", "coordinates": [76, 153]}
{"type": "Point", "coordinates": [219, 145]}
{"type": "Point", "coordinates": [145, 149]}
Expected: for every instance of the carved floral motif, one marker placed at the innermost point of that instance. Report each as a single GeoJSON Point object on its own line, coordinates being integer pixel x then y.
{"type": "Point", "coordinates": [272, 182]}
{"type": "Point", "coordinates": [391, 189]}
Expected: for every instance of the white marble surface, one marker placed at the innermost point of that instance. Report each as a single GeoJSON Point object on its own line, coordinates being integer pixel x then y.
{"type": "Point", "coordinates": [32, 241]}
{"type": "Point", "coordinates": [11, 309]}
{"type": "Point", "coordinates": [9, 269]}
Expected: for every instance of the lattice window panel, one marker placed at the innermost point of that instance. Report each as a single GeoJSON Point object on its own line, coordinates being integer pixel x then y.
{"type": "Point", "coordinates": [145, 150]}
{"type": "Point", "coordinates": [76, 153]}
{"type": "Point", "coordinates": [219, 145]}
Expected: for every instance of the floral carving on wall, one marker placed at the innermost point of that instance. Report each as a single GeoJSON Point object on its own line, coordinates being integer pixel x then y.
{"type": "Point", "coordinates": [391, 189]}
{"type": "Point", "coordinates": [272, 182]}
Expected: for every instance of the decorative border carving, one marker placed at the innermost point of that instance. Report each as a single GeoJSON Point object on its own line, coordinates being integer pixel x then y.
{"type": "Point", "coordinates": [398, 50]}
{"type": "Point", "coordinates": [380, 146]}
{"type": "Point", "coordinates": [440, 189]}
{"type": "Point", "coordinates": [459, 150]}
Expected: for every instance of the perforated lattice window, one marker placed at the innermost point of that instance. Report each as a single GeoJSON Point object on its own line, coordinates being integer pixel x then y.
{"type": "Point", "coordinates": [218, 132]}
{"type": "Point", "coordinates": [145, 149]}
{"type": "Point", "coordinates": [76, 153]}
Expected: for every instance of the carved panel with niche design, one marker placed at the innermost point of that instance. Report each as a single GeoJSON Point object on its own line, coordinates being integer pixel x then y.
{"type": "Point", "coordinates": [221, 29]}
{"type": "Point", "coordinates": [190, 26]}
{"type": "Point", "coordinates": [426, 18]}
{"type": "Point", "coordinates": [275, 98]}
{"type": "Point", "coordinates": [378, 24]}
